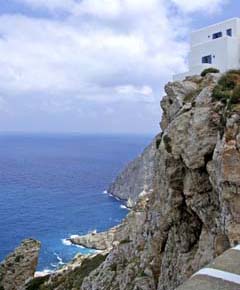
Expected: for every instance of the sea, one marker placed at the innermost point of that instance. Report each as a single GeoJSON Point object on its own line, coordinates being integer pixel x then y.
{"type": "Point", "coordinates": [53, 186]}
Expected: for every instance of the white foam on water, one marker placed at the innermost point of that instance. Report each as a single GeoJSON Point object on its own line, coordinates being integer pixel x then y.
{"type": "Point", "coordinates": [226, 276]}
{"type": "Point", "coordinates": [54, 265]}
{"type": "Point", "coordinates": [124, 207]}
{"type": "Point", "coordinates": [79, 246]}
{"type": "Point", "coordinates": [105, 192]}
{"type": "Point", "coordinates": [97, 251]}
{"type": "Point", "coordinates": [60, 260]}
{"type": "Point", "coordinates": [66, 242]}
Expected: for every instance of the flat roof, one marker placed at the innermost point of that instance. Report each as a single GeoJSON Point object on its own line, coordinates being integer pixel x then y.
{"type": "Point", "coordinates": [216, 24]}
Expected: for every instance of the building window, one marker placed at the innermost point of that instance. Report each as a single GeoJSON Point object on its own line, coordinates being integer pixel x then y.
{"type": "Point", "coordinates": [216, 35]}
{"type": "Point", "coordinates": [207, 59]}
{"type": "Point", "coordinates": [229, 32]}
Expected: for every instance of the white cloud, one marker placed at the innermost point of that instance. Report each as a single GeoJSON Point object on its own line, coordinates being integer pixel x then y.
{"type": "Point", "coordinates": [114, 8]}
{"type": "Point", "coordinates": [100, 51]}
{"type": "Point", "coordinates": [67, 57]}
{"type": "Point", "coordinates": [130, 90]}
{"type": "Point", "coordinates": [205, 6]}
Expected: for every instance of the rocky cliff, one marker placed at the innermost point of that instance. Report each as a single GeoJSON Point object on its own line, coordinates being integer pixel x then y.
{"type": "Point", "coordinates": [192, 214]}
{"type": "Point", "coordinates": [136, 178]}
{"type": "Point", "coordinates": [19, 267]}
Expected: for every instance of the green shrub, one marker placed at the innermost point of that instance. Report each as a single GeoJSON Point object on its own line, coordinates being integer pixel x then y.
{"type": "Point", "coordinates": [227, 88]}
{"type": "Point", "coordinates": [220, 94]}
{"type": "Point", "coordinates": [209, 70]}
{"type": "Point", "coordinates": [236, 95]}
{"type": "Point", "coordinates": [234, 71]}
{"type": "Point", "coordinates": [229, 81]}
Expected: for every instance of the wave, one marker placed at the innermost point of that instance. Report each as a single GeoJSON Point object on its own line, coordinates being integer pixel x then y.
{"type": "Point", "coordinates": [60, 260]}
{"type": "Point", "coordinates": [79, 246]}
{"type": "Point", "coordinates": [124, 207]}
{"type": "Point", "coordinates": [54, 265]}
{"type": "Point", "coordinates": [114, 196]}
{"type": "Point", "coordinates": [66, 242]}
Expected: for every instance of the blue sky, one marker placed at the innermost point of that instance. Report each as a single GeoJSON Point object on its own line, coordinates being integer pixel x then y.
{"type": "Point", "coordinates": [94, 65]}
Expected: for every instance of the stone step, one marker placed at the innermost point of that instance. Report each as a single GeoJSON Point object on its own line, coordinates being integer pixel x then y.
{"type": "Point", "coordinates": [222, 274]}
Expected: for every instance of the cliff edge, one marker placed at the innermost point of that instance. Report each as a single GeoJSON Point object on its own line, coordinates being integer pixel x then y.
{"type": "Point", "coordinates": [191, 215]}
{"type": "Point", "coordinates": [136, 178]}
{"type": "Point", "coordinates": [19, 267]}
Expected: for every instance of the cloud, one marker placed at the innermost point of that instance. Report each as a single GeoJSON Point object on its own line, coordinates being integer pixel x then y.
{"type": "Point", "coordinates": [205, 6]}
{"type": "Point", "coordinates": [95, 51]}
{"type": "Point", "coordinates": [74, 56]}
{"type": "Point", "coordinates": [115, 8]}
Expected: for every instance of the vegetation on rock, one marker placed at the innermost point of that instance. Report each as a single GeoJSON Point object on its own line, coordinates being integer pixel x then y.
{"type": "Point", "coordinates": [228, 87]}
{"type": "Point", "coordinates": [209, 70]}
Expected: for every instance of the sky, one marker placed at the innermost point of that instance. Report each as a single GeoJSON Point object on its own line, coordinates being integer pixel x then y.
{"type": "Point", "coordinates": [94, 66]}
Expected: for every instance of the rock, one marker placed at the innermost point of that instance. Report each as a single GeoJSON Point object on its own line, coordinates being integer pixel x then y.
{"type": "Point", "coordinates": [186, 218]}
{"type": "Point", "coordinates": [97, 241]}
{"type": "Point", "coordinates": [136, 177]}
{"type": "Point", "coordinates": [19, 266]}
{"type": "Point", "coordinates": [192, 213]}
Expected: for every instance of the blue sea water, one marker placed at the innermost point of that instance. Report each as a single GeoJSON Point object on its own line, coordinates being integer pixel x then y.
{"type": "Point", "coordinates": [51, 187]}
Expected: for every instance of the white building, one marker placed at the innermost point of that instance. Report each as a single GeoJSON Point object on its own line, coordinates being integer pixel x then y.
{"type": "Point", "coordinates": [215, 46]}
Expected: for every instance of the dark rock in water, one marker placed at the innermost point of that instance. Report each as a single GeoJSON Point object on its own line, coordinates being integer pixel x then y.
{"type": "Point", "coordinates": [19, 266]}
{"type": "Point", "coordinates": [137, 177]}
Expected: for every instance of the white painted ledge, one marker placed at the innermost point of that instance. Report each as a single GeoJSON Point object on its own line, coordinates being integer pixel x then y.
{"type": "Point", "coordinates": [226, 276]}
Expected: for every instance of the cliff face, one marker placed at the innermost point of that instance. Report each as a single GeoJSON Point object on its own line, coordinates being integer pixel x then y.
{"type": "Point", "coordinates": [192, 215]}
{"type": "Point", "coordinates": [20, 266]}
{"type": "Point", "coordinates": [136, 178]}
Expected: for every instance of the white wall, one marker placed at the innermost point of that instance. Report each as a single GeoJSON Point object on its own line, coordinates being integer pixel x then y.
{"type": "Point", "coordinates": [205, 34]}
{"type": "Point", "coordinates": [224, 51]}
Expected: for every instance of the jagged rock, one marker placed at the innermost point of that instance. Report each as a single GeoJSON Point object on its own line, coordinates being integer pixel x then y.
{"type": "Point", "coordinates": [97, 241]}
{"type": "Point", "coordinates": [192, 214]}
{"type": "Point", "coordinates": [136, 178]}
{"type": "Point", "coordinates": [19, 266]}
